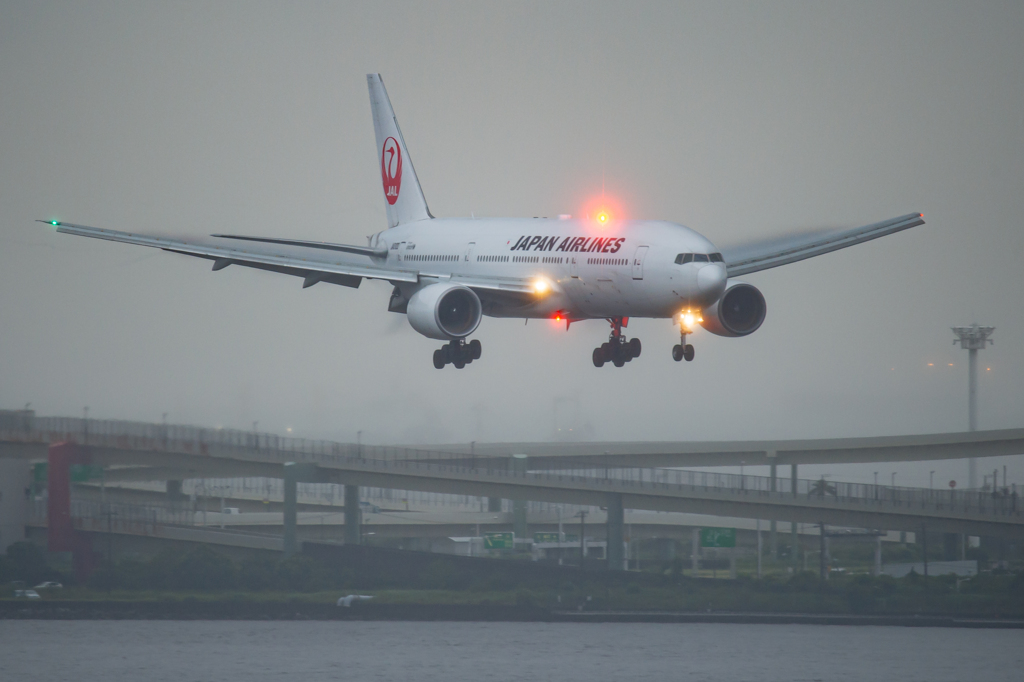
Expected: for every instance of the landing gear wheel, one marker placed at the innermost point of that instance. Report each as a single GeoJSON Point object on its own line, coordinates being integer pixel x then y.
{"type": "Point", "coordinates": [458, 353]}
{"type": "Point", "coordinates": [607, 351]}
{"type": "Point", "coordinates": [688, 352]}
{"type": "Point", "coordinates": [618, 362]}
{"type": "Point", "coordinates": [634, 347]}
{"type": "Point", "coordinates": [599, 357]}
{"type": "Point", "coordinates": [677, 352]}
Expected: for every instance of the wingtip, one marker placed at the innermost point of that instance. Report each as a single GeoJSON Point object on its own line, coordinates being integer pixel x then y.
{"type": "Point", "coordinates": [54, 223]}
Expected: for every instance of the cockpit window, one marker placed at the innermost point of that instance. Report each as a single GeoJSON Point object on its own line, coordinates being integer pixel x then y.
{"type": "Point", "coordinates": [699, 258]}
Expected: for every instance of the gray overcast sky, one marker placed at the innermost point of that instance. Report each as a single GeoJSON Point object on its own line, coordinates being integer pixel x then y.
{"type": "Point", "coordinates": [741, 120]}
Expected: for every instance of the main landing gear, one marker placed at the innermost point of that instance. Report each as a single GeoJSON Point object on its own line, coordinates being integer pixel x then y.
{"type": "Point", "coordinates": [682, 350]}
{"type": "Point", "coordinates": [617, 350]}
{"type": "Point", "coordinates": [457, 352]}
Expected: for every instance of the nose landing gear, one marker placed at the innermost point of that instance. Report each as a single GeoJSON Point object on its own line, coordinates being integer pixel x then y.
{"type": "Point", "coordinates": [682, 350]}
{"type": "Point", "coordinates": [617, 350]}
{"type": "Point", "coordinates": [458, 353]}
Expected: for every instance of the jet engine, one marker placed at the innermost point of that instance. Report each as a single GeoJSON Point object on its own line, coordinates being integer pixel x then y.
{"type": "Point", "coordinates": [740, 311]}
{"type": "Point", "coordinates": [444, 311]}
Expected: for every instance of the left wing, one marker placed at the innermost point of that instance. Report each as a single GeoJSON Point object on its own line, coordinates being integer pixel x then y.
{"type": "Point", "coordinates": [771, 253]}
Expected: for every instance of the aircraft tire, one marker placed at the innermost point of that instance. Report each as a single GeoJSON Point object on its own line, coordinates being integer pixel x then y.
{"type": "Point", "coordinates": [598, 357]}
{"type": "Point", "coordinates": [439, 361]}
{"type": "Point", "coordinates": [677, 352]}
{"type": "Point", "coordinates": [634, 347]}
{"type": "Point", "coordinates": [619, 362]}
{"type": "Point", "coordinates": [688, 352]}
{"type": "Point", "coordinates": [474, 349]}
{"type": "Point", "coordinates": [459, 364]}
{"type": "Point", "coordinates": [607, 351]}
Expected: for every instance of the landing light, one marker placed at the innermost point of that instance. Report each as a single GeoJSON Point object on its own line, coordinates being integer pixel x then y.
{"type": "Point", "coordinates": [687, 318]}
{"type": "Point", "coordinates": [602, 217]}
{"type": "Point", "coordinates": [541, 287]}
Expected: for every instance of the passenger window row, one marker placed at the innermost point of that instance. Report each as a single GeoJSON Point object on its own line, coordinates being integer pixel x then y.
{"type": "Point", "coordinates": [608, 261]}
{"type": "Point", "coordinates": [699, 258]}
{"type": "Point", "coordinates": [492, 259]}
{"type": "Point", "coordinates": [430, 258]}
{"type": "Point", "coordinates": [525, 259]}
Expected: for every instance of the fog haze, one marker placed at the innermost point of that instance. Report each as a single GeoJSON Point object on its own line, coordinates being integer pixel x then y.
{"type": "Point", "coordinates": [740, 120]}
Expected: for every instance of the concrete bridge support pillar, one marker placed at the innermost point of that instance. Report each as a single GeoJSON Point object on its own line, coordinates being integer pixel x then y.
{"type": "Point", "coordinates": [494, 504]}
{"type": "Point", "coordinates": [15, 480]}
{"type": "Point", "coordinates": [773, 534]}
{"type": "Point", "coordinates": [174, 490]}
{"type": "Point", "coordinates": [295, 472]}
{"type": "Point", "coordinates": [353, 534]}
{"type": "Point", "coordinates": [291, 508]}
{"type": "Point", "coordinates": [878, 556]}
{"type": "Point", "coordinates": [616, 533]}
{"type": "Point", "coordinates": [518, 467]}
{"type": "Point", "coordinates": [695, 551]}
{"type": "Point", "coordinates": [61, 533]}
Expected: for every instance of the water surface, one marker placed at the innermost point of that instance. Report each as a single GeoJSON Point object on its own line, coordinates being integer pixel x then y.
{"type": "Point", "coordinates": [255, 651]}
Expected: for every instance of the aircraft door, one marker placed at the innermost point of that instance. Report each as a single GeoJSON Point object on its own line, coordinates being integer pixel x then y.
{"type": "Point", "coordinates": [638, 262]}
{"type": "Point", "coordinates": [469, 251]}
{"type": "Point", "coordinates": [572, 267]}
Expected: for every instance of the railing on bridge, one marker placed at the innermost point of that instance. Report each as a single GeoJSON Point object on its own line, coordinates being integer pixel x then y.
{"type": "Point", "coordinates": [270, 447]}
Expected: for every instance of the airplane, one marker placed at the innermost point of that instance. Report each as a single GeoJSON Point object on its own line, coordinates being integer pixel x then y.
{"type": "Point", "coordinates": [448, 273]}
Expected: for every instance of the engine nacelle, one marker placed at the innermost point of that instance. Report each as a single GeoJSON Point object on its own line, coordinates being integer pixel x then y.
{"type": "Point", "coordinates": [444, 311]}
{"type": "Point", "coordinates": [739, 311]}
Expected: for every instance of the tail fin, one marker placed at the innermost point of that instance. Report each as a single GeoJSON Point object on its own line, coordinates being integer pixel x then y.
{"type": "Point", "coordinates": [402, 191]}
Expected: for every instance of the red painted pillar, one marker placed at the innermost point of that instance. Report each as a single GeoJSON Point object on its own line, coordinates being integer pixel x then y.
{"type": "Point", "coordinates": [61, 533]}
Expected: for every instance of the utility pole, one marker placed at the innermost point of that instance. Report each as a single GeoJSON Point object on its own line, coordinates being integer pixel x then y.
{"type": "Point", "coordinates": [972, 339]}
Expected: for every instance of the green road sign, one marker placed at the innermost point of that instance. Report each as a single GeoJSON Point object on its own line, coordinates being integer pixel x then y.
{"type": "Point", "coordinates": [499, 540]}
{"type": "Point", "coordinates": [545, 537]}
{"type": "Point", "coordinates": [85, 472]}
{"type": "Point", "coordinates": [717, 537]}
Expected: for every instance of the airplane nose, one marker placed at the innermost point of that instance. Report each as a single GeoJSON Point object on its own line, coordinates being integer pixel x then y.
{"type": "Point", "coordinates": [711, 280]}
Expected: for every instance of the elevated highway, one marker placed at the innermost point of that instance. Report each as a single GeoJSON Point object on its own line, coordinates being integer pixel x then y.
{"type": "Point", "coordinates": [617, 454]}
{"type": "Point", "coordinates": [133, 451]}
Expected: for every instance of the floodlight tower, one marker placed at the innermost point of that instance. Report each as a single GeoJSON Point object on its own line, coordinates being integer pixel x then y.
{"type": "Point", "coordinates": [973, 339]}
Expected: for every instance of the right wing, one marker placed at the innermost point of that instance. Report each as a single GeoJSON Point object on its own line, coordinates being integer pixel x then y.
{"type": "Point", "coordinates": [319, 265]}
{"type": "Point", "coordinates": [771, 253]}
{"type": "Point", "coordinates": [313, 261]}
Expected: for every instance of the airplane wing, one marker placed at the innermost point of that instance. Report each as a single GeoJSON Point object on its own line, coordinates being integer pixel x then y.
{"type": "Point", "coordinates": [320, 265]}
{"type": "Point", "coordinates": [771, 253]}
{"type": "Point", "coordinates": [313, 261]}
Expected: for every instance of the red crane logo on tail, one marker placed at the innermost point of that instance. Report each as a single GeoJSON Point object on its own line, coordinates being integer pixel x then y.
{"type": "Point", "coordinates": [391, 169]}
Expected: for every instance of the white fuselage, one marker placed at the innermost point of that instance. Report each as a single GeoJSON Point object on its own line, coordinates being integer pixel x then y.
{"type": "Point", "coordinates": [622, 268]}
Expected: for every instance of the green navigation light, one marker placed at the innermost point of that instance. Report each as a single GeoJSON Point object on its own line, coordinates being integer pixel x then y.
{"type": "Point", "coordinates": [55, 222]}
